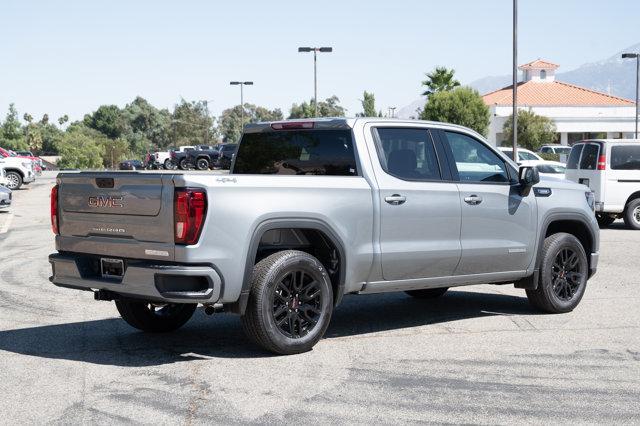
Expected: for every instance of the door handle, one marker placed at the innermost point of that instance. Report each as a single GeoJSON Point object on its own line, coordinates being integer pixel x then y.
{"type": "Point", "coordinates": [395, 199]}
{"type": "Point", "coordinates": [474, 200]}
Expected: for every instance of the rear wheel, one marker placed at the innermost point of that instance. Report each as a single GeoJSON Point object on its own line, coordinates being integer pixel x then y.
{"type": "Point", "coordinates": [632, 214]}
{"type": "Point", "coordinates": [563, 275]}
{"type": "Point", "coordinates": [14, 180]}
{"type": "Point", "coordinates": [202, 164]}
{"type": "Point", "coordinates": [290, 303]}
{"type": "Point", "coordinates": [184, 164]}
{"type": "Point", "coordinates": [155, 317]}
{"type": "Point", "coordinates": [605, 219]}
{"type": "Point", "coordinates": [428, 293]}
{"type": "Point", "coordinates": [168, 164]}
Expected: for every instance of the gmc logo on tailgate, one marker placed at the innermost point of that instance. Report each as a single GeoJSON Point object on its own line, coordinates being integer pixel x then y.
{"type": "Point", "coordinates": [105, 201]}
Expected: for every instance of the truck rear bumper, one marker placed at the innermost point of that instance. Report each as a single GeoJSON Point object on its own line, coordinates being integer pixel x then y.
{"type": "Point", "coordinates": [148, 280]}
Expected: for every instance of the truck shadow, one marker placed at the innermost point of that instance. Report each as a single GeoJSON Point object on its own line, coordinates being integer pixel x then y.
{"type": "Point", "coordinates": [112, 342]}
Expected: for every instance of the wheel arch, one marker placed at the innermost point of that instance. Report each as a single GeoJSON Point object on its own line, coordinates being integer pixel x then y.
{"type": "Point", "coordinates": [631, 198]}
{"type": "Point", "coordinates": [312, 227]}
{"type": "Point", "coordinates": [14, 169]}
{"type": "Point", "coordinates": [572, 223]}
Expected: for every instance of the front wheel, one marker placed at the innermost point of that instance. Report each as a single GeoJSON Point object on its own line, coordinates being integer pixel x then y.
{"type": "Point", "coordinates": [632, 214]}
{"type": "Point", "coordinates": [155, 317]}
{"type": "Point", "coordinates": [202, 164]}
{"type": "Point", "coordinates": [290, 303]}
{"type": "Point", "coordinates": [184, 164]}
{"type": "Point", "coordinates": [563, 275]}
{"type": "Point", "coordinates": [14, 180]}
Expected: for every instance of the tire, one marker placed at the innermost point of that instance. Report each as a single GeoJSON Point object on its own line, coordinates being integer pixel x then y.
{"type": "Point", "coordinates": [14, 180]}
{"type": "Point", "coordinates": [184, 164]}
{"type": "Point", "coordinates": [202, 164]}
{"type": "Point", "coordinates": [152, 318]}
{"type": "Point", "coordinates": [272, 319]}
{"type": "Point", "coordinates": [168, 164]}
{"type": "Point", "coordinates": [563, 275]}
{"type": "Point", "coordinates": [632, 214]}
{"type": "Point", "coordinates": [428, 293]}
{"type": "Point", "coordinates": [604, 219]}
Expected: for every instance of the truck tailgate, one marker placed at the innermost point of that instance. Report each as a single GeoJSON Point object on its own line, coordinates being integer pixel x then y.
{"type": "Point", "coordinates": [116, 214]}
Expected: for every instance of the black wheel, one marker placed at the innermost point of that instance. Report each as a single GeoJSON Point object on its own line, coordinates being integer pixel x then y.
{"type": "Point", "coordinates": [202, 164]}
{"type": "Point", "coordinates": [290, 303]}
{"type": "Point", "coordinates": [14, 180]}
{"type": "Point", "coordinates": [563, 275]}
{"type": "Point", "coordinates": [156, 318]}
{"type": "Point", "coordinates": [604, 219]}
{"type": "Point", "coordinates": [428, 293]}
{"type": "Point", "coordinates": [632, 214]}
{"type": "Point", "coordinates": [184, 164]}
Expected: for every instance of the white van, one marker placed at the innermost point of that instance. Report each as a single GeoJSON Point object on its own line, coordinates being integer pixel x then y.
{"type": "Point", "coordinates": [611, 168]}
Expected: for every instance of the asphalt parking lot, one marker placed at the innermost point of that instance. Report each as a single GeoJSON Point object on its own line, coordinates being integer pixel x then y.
{"type": "Point", "coordinates": [478, 355]}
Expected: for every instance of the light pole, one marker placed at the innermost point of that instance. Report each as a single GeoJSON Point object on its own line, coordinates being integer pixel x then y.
{"type": "Point", "coordinates": [392, 112]}
{"type": "Point", "coordinates": [315, 51]}
{"type": "Point", "coordinates": [637, 58]}
{"type": "Point", "coordinates": [515, 81]}
{"type": "Point", "coordinates": [241, 84]}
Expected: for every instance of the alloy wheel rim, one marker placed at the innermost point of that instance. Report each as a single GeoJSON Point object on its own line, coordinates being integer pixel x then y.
{"type": "Point", "coordinates": [12, 181]}
{"type": "Point", "coordinates": [567, 274]}
{"type": "Point", "coordinates": [297, 304]}
{"type": "Point", "coordinates": [636, 215]}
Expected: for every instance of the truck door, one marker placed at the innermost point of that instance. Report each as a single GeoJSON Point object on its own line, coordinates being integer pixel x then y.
{"type": "Point", "coordinates": [419, 205]}
{"type": "Point", "coordinates": [499, 225]}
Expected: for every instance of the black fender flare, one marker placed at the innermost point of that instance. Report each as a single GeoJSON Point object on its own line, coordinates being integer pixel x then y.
{"type": "Point", "coordinates": [560, 216]}
{"type": "Point", "coordinates": [271, 224]}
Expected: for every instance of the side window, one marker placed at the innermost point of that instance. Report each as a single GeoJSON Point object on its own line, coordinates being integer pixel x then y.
{"type": "Point", "coordinates": [474, 161]}
{"type": "Point", "coordinates": [572, 162]}
{"type": "Point", "coordinates": [408, 154]}
{"type": "Point", "coordinates": [625, 157]}
{"type": "Point", "coordinates": [589, 160]}
{"type": "Point", "coordinates": [546, 149]}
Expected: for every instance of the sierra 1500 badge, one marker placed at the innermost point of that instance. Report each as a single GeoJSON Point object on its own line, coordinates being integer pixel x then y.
{"type": "Point", "coordinates": [105, 201]}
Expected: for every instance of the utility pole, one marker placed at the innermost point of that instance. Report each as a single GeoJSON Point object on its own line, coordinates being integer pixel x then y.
{"type": "Point", "coordinates": [315, 51]}
{"type": "Point", "coordinates": [515, 81]}
{"type": "Point", "coordinates": [241, 84]}
{"type": "Point", "coordinates": [637, 58]}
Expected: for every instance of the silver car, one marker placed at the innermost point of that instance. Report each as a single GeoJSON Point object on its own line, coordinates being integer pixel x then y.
{"type": "Point", "coordinates": [5, 197]}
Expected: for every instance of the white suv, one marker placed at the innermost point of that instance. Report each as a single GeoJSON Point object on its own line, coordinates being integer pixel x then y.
{"type": "Point", "coordinates": [611, 168]}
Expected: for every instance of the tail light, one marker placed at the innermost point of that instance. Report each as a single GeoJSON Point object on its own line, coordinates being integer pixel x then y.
{"type": "Point", "coordinates": [54, 210]}
{"type": "Point", "coordinates": [190, 208]}
{"type": "Point", "coordinates": [602, 162]}
{"type": "Point", "coordinates": [293, 125]}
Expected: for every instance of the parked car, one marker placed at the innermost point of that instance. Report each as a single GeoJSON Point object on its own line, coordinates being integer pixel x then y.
{"type": "Point", "coordinates": [555, 149]}
{"type": "Point", "coordinates": [160, 160]}
{"type": "Point", "coordinates": [3, 174]}
{"type": "Point", "coordinates": [225, 156]}
{"type": "Point", "coordinates": [611, 168]}
{"type": "Point", "coordinates": [549, 168]}
{"type": "Point", "coordinates": [179, 157]}
{"type": "Point", "coordinates": [37, 162]}
{"type": "Point", "coordinates": [204, 158]}
{"type": "Point", "coordinates": [18, 170]}
{"type": "Point", "coordinates": [131, 165]}
{"type": "Point", "coordinates": [523, 154]}
{"type": "Point", "coordinates": [366, 206]}
{"type": "Point", "coordinates": [5, 197]}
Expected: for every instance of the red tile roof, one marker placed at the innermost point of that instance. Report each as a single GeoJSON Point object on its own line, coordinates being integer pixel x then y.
{"type": "Point", "coordinates": [539, 63]}
{"type": "Point", "coordinates": [554, 93]}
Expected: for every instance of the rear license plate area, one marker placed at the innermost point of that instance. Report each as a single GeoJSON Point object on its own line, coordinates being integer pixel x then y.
{"type": "Point", "coordinates": [584, 181]}
{"type": "Point", "coordinates": [112, 268]}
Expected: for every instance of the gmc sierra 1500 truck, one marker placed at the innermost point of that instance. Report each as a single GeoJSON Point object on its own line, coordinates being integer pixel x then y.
{"type": "Point", "coordinates": [316, 209]}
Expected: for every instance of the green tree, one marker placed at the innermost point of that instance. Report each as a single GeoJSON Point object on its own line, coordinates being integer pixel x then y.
{"type": "Point", "coordinates": [328, 108]}
{"type": "Point", "coordinates": [146, 125]}
{"type": "Point", "coordinates": [368, 102]}
{"type": "Point", "coordinates": [440, 80]}
{"type": "Point", "coordinates": [107, 119]}
{"type": "Point", "coordinates": [63, 119]}
{"type": "Point", "coordinates": [191, 124]}
{"type": "Point", "coordinates": [463, 106]}
{"type": "Point", "coordinates": [229, 124]}
{"type": "Point", "coordinates": [533, 130]}
{"type": "Point", "coordinates": [11, 134]}
{"type": "Point", "coordinates": [79, 150]}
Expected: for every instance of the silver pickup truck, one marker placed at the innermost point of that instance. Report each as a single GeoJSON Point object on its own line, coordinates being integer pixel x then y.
{"type": "Point", "coordinates": [316, 209]}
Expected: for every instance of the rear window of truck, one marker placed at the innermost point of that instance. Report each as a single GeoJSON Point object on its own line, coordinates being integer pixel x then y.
{"type": "Point", "coordinates": [297, 152]}
{"type": "Point", "coordinates": [625, 157]}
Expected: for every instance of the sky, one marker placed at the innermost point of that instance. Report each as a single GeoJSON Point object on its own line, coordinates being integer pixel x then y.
{"type": "Point", "coordinates": [69, 57]}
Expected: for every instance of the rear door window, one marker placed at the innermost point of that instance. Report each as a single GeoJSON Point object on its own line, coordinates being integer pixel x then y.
{"type": "Point", "coordinates": [574, 157]}
{"type": "Point", "coordinates": [589, 160]}
{"type": "Point", "coordinates": [625, 157]}
{"type": "Point", "coordinates": [408, 154]}
{"type": "Point", "coordinates": [297, 152]}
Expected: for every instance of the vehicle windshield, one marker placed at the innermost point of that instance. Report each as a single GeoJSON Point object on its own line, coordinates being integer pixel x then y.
{"type": "Point", "coordinates": [551, 168]}
{"type": "Point", "coordinates": [297, 152]}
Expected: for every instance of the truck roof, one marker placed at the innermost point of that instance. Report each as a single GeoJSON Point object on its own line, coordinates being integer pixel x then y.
{"type": "Point", "coordinates": [328, 123]}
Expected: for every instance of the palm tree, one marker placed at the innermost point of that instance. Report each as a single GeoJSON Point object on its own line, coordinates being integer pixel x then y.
{"type": "Point", "coordinates": [440, 80]}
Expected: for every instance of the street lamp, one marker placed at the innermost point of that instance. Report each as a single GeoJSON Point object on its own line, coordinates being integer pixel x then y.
{"type": "Point", "coordinates": [392, 112]}
{"type": "Point", "coordinates": [241, 84]}
{"type": "Point", "coordinates": [515, 81]}
{"type": "Point", "coordinates": [635, 56]}
{"type": "Point", "coordinates": [315, 51]}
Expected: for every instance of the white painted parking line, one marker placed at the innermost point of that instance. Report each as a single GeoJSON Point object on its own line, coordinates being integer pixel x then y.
{"type": "Point", "coordinates": [7, 223]}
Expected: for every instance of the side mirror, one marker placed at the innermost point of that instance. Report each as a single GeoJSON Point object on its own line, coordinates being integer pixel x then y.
{"type": "Point", "coordinates": [529, 176]}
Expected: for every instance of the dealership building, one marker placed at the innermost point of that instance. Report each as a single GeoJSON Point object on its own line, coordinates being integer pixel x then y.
{"type": "Point", "coordinates": [577, 112]}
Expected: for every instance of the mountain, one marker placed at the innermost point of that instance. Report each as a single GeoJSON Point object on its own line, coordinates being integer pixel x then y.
{"type": "Point", "coordinates": [613, 75]}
